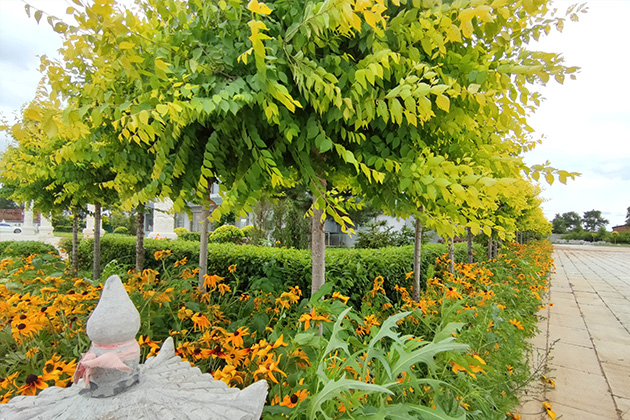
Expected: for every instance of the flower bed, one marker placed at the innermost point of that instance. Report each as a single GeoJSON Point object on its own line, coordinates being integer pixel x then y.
{"type": "Point", "coordinates": [459, 352]}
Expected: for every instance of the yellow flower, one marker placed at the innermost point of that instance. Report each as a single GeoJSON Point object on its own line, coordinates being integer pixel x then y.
{"type": "Point", "coordinates": [236, 338]}
{"type": "Point", "coordinates": [224, 288]}
{"type": "Point", "coordinates": [516, 323]}
{"type": "Point", "coordinates": [200, 321]}
{"type": "Point", "coordinates": [183, 261]}
{"type": "Point", "coordinates": [548, 410]}
{"type": "Point", "coordinates": [292, 400]}
{"type": "Point", "coordinates": [162, 254]}
{"type": "Point", "coordinates": [232, 268]}
{"type": "Point", "coordinates": [337, 295]}
{"type": "Point", "coordinates": [211, 280]}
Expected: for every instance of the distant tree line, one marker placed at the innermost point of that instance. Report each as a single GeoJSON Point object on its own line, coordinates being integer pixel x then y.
{"type": "Point", "coordinates": [590, 221]}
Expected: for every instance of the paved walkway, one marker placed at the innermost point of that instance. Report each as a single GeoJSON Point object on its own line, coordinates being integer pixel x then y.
{"type": "Point", "coordinates": [588, 331]}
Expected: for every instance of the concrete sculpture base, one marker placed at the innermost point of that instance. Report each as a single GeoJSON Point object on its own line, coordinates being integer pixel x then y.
{"type": "Point", "coordinates": [168, 389]}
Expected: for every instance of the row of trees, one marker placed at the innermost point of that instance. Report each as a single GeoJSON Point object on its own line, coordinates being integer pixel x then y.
{"type": "Point", "coordinates": [417, 108]}
{"type": "Point", "coordinates": [591, 221]}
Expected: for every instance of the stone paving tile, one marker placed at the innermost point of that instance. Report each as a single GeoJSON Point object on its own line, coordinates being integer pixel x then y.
{"type": "Point", "coordinates": [577, 389]}
{"type": "Point", "coordinates": [589, 326]}
{"type": "Point", "coordinates": [619, 378]}
{"type": "Point", "coordinates": [575, 357]}
{"type": "Point", "coordinates": [575, 336]}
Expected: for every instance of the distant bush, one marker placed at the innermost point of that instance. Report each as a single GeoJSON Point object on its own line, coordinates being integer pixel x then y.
{"type": "Point", "coordinates": [62, 228]}
{"type": "Point", "coordinates": [189, 236]}
{"type": "Point", "coordinates": [122, 230]}
{"type": "Point", "coordinates": [227, 233]}
{"type": "Point", "coordinates": [178, 231]}
{"type": "Point", "coordinates": [25, 248]}
{"type": "Point", "coordinates": [254, 234]}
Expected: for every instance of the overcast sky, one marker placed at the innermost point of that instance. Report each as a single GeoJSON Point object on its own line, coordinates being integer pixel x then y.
{"type": "Point", "coordinates": [586, 122]}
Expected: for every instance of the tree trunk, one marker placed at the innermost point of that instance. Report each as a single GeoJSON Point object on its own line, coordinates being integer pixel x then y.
{"type": "Point", "coordinates": [140, 239]}
{"type": "Point", "coordinates": [490, 247]}
{"type": "Point", "coordinates": [451, 255]}
{"type": "Point", "coordinates": [96, 271]}
{"type": "Point", "coordinates": [417, 261]}
{"type": "Point", "coordinates": [75, 240]}
{"type": "Point", "coordinates": [318, 249]}
{"type": "Point", "coordinates": [470, 246]}
{"type": "Point", "coordinates": [496, 248]}
{"type": "Point", "coordinates": [203, 246]}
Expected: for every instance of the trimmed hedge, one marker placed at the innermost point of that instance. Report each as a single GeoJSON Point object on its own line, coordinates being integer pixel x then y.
{"type": "Point", "coordinates": [227, 233]}
{"type": "Point", "coordinates": [189, 236]}
{"type": "Point", "coordinates": [122, 230]}
{"type": "Point", "coordinates": [273, 269]}
{"type": "Point", "coordinates": [25, 248]}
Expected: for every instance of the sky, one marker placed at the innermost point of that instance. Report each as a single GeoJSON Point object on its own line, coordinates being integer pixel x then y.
{"type": "Point", "coordinates": [585, 122]}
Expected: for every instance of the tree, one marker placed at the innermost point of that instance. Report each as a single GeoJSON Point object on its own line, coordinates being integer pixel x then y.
{"type": "Point", "coordinates": [418, 106]}
{"type": "Point", "coordinates": [628, 217]}
{"type": "Point", "coordinates": [572, 221]}
{"type": "Point", "coordinates": [593, 221]}
{"type": "Point", "coordinates": [559, 224]}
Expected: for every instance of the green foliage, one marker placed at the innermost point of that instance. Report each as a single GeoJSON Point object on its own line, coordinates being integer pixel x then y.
{"type": "Point", "coordinates": [189, 236]}
{"type": "Point", "coordinates": [254, 235]}
{"type": "Point", "coordinates": [593, 221]}
{"type": "Point", "coordinates": [289, 225]}
{"type": "Point", "coordinates": [379, 235]}
{"type": "Point", "coordinates": [227, 233]}
{"type": "Point", "coordinates": [25, 248]}
{"type": "Point", "coordinates": [351, 271]}
{"type": "Point", "coordinates": [121, 230]}
{"type": "Point", "coordinates": [601, 235]}
{"type": "Point", "coordinates": [179, 231]}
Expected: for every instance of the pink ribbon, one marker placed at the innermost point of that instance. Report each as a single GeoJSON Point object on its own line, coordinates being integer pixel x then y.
{"type": "Point", "coordinates": [108, 360]}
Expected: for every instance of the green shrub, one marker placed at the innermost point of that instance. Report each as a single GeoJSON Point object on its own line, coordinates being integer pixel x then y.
{"type": "Point", "coordinates": [352, 271]}
{"type": "Point", "coordinates": [179, 231]}
{"type": "Point", "coordinates": [121, 230]}
{"type": "Point", "coordinates": [227, 233]}
{"type": "Point", "coordinates": [254, 234]}
{"type": "Point", "coordinates": [189, 236]}
{"type": "Point", "coordinates": [63, 228]}
{"type": "Point", "coordinates": [25, 248]}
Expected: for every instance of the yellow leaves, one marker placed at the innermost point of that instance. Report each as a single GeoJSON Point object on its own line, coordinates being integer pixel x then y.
{"type": "Point", "coordinates": [260, 8]}
{"type": "Point", "coordinates": [443, 102]}
{"type": "Point", "coordinates": [257, 38]}
{"type": "Point", "coordinates": [466, 16]}
{"type": "Point", "coordinates": [281, 93]}
{"type": "Point", "coordinates": [125, 45]}
{"type": "Point", "coordinates": [243, 57]}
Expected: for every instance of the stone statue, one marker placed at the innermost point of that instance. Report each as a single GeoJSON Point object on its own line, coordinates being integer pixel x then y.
{"type": "Point", "coordinates": [112, 385]}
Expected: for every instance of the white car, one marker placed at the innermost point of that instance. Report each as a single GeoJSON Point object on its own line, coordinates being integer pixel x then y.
{"type": "Point", "coordinates": [7, 228]}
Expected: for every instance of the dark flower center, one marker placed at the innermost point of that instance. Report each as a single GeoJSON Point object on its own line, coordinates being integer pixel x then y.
{"type": "Point", "coordinates": [23, 316]}
{"type": "Point", "coordinates": [21, 326]}
{"type": "Point", "coordinates": [31, 379]}
{"type": "Point", "coordinates": [294, 399]}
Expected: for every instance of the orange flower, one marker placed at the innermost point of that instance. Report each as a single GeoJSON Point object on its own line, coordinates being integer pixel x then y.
{"type": "Point", "coordinates": [33, 383]}
{"type": "Point", "coordinates": [232, 268]}
{"type": "Point", "coordinates": [162, 254]}
{"type": "Point", "coordinates": [211, 281]}
{"type": "Point", "coordinates": [236, 338]}
{"type": "Point", "coordinates": [337, 295]}
{"type": "Point", "coordinates": [516, 323]}
{"type": "Point", "coordinates": [200, 321]}
{"type": "Point", "coordinates": [292, 400]}
{"type": "Point", "coordinates": [183, 261]}
{"type": "Point", "coordinates": [312, 316]}
{"type": "Point", "coordinates": [268, 367]}
{"type": "Point", "coordinates": [224, 288]}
